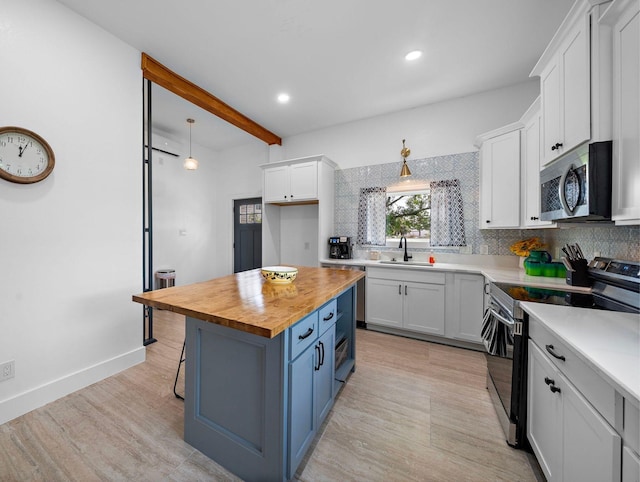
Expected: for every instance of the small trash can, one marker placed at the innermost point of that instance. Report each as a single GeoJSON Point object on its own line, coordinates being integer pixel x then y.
{"type": "Point", "coordinates": [165, 278]}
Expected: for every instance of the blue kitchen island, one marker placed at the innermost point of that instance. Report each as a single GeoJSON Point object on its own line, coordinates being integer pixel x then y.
{"type": "Point", "coordinates": [263, 364]}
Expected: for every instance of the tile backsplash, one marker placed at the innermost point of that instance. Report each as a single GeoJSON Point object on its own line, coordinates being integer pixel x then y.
{"type": "Point", "coordinates": [622, 242]}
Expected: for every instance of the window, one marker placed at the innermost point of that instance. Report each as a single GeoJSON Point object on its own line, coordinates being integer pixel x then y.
{"type": "Point", "coordinates": [408, 214]}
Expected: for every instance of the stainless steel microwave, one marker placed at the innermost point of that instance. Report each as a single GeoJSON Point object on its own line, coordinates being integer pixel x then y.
{"type": "Point", "coordinates": [577, 186]}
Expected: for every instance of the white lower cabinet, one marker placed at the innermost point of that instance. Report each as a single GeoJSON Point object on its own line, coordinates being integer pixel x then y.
{"type": "Point", "coordinates": [406, 300]}
{"type": "Point", "coordinates": [630, 466]}
{"type": "Point", "coordinates": [590, 446]}
{"type": "Point", "coordinates": [544, 411]}
{"type": "Point", "coordinates": [448, 305]}
{"type": "Point", "coordinates": [465, 306]}
{"type": "Point", "coordinates": [570, 439]}
{"type": "Point", "coordinates": [423, 308]}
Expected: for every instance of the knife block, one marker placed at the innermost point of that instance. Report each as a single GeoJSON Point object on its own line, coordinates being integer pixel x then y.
{"type": "Point", "coordinates": [580, 275]}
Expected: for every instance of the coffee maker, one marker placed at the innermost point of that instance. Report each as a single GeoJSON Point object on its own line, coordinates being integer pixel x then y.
{"type": "Point", "coordinates": [340, 247]}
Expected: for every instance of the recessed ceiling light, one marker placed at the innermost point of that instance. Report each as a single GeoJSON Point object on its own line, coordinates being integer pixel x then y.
{"type": "Point", "coordinates": [283, 98]}
{"type": "Point", "coordinates": [413, 55]}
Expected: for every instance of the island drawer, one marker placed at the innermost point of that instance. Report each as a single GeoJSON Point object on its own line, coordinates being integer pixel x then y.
{"type": "Point", "coordinates": [327, 315]}
{"type": "Point", "coordinates": [303, 334]}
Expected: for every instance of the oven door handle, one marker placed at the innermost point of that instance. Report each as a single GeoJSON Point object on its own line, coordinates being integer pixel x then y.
{"type": "Point", "coordinates": [502, 319]}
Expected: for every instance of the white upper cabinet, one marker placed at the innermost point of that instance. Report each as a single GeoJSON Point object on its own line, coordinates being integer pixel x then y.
{"type": "Point", "coordinates": [291, 183]}
{"type": "Point", "coordinates": [500, 178]}
{"type": "Point", "coordinates": [624, 18]}
{"type": "Point", "coordinates": [565, 72]}
{"type": "Point", "coordinates": [531, 161]}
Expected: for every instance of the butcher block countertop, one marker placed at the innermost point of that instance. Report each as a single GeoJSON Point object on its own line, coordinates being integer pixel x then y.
{"type": "Point", "coordinates": [245, 301]}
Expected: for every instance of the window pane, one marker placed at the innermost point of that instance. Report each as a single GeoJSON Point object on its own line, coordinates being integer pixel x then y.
{"type": "Point", "coordinates": [409, 214]}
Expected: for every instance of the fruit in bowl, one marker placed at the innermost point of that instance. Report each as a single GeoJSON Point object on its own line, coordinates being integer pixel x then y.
{"type": "Point", "coordinates": [279, 274]}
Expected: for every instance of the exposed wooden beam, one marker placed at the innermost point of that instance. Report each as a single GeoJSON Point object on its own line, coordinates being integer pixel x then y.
{"type": "Point", "coordinates": [164, 77]}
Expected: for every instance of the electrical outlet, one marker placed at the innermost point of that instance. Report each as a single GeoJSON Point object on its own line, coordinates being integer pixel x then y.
{"type": "Point", "coordinates": [557, 253]}
{"type": "Point", "coordinates": [484, 249]}
{"type": "Point", "coordinates": [7, 370]}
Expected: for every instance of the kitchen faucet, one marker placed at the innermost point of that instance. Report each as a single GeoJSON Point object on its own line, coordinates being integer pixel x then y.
{"type": "Point", "coordinates": [407, 257]}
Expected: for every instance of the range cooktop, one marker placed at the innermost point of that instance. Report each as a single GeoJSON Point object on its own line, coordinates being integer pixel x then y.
{"type": "Point", "coordinates": [616, 287]}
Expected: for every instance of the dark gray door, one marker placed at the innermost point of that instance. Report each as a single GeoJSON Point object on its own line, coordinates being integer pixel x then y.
{"type": "Point", "coordinates": [247, 234]}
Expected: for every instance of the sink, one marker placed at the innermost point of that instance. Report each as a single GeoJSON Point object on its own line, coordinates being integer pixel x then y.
{"type": "Point", "coordinates": [406, 263]}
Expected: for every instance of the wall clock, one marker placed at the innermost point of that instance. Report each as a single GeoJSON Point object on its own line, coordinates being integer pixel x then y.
{"type": "Point", "coordinates": [25, 157]}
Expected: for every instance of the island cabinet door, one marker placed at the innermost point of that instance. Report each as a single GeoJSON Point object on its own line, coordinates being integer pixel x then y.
{"type": "Point", "coordinates": [302, 421]}
{"type": "Point", "coordinates": [325, 370]}
{"type": "Point", "coordinates": [311, 394]}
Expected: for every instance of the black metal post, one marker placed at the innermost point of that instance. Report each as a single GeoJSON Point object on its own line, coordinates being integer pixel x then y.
{"type": "Point", "coordinates": [147, 212]}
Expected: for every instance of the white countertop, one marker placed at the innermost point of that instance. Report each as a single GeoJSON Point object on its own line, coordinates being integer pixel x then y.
{"type": "Point", "coordinates": [607, 341]}
{"type": "Point", "coordinates": [497, 274]}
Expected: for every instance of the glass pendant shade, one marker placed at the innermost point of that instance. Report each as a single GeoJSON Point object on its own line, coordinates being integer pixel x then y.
{"type": "Point", "coordinates": [190, 164]}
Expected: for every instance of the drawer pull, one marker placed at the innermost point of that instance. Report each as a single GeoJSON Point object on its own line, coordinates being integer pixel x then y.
{"type": "Point", "coordinates": [328, 317]}
{"type": "Point", "coordinates": [554, 389]}
{"type": "Point", "coordinates": [554, 354]}
{"type": "Point", "coordinates": [549, 381]}
{"type": "Point", "coordinates": [306, 335]}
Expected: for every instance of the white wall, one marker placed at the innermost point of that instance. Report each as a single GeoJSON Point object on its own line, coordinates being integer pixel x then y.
{"type": "Point", "coordinates": [71, 245]}
{"type": "Point", "coordinates": [299, 235]}
{"type": "Point", "coordinates": [433, 130]}
{"type": "Point", "coordinates": [239, 177]}
{"type": "Point", "coordinates": [184, 213]}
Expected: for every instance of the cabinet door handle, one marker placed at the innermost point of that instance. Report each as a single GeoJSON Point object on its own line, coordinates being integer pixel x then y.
{"type": "Point", "coordinates": [306, 335]}
{"type": "Point", "coordinates": [487, 221]}
{"type": "Point", "coordinates": [554, 389]}
{"type": "Point", "coordinates": [328, 317]}
{"type": "Point", "coordinates": [557, 146]}
{"type": "Point", "coordinates": [551, 351]}
{"type": "Point", "coordinates": [534, 218]}
{"type": "Point", "coordinates": [405, 290]}
{"type": "Point", "coordinates": [285, 196]}
{"type": "Point", "coordinates": [317, 365]}
{"type": "Point", "coordinates": [400, 289]}
{"type": "Point", "coordinates": [549, 381]}
{"type": "Point", "coordinates": [322, 356]}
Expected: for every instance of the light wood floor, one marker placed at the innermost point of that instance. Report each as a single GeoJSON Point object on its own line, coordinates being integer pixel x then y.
{"type": "Point", "coordinates": [412, 411]}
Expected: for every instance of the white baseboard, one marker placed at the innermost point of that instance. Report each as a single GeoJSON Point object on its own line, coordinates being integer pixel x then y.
{"type": "Point", "coordinates": [37, 397]}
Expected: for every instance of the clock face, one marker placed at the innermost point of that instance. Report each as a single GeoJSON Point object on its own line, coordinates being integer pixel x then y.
{"type": "Point", "coordinates": [25, 157]}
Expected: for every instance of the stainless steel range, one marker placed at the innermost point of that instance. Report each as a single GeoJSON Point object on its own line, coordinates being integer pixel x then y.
{"type": "Point", "coordinates": [505, 331]}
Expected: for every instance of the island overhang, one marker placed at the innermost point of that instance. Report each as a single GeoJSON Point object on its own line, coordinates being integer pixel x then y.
{"type": "Point", "coordinates": [245, 301]}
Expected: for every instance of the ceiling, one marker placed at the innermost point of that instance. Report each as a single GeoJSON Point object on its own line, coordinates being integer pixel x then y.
{"type": "Point", "coordinates": [339, 60]}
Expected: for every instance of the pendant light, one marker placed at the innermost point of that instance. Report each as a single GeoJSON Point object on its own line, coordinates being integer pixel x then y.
{"type": "Point", "coordinates": [190, 163]}
{"type": "Point", "coordinates": [405, 172]}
